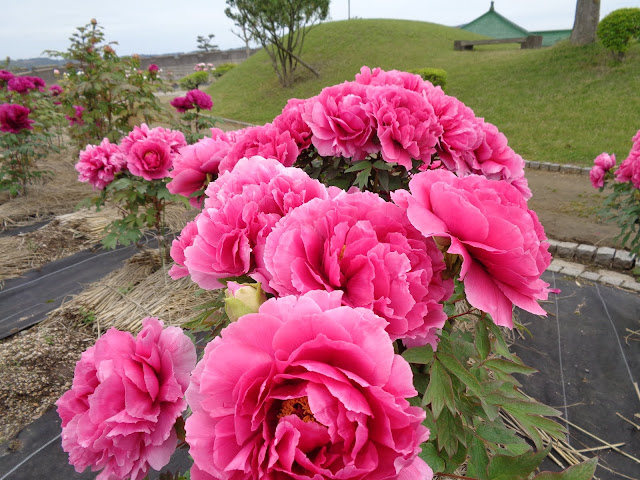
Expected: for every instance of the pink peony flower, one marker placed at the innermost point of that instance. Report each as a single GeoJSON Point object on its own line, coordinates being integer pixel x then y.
{"type": "Point", "coordinates": [406, 125]}
{"type": "Point", "coordinates": [304, 389]}
{"type": "Point", "coordinates": [605, 161]}
{"type": "Point", "coordinates": [99, 164]}
{"type": "Point", "coordinates": [153, 69]}
{"type": "Point", "coordinates": [126, 396]}
{"type": "Point", "coordinates": [241, 208]}
{"type": "Point", "coordinates": [76, 119]}
{"type": "Point", "coordinates": [501, 241]}
{"type": "Point", "coordinates": [629, 170]}
{"type": "Point", "coordinates": [601, 165]}
{"type": "Point", "coordinates": [14, 118]}
{"type": "Point", "coordinates": [181, 104]}
{"type": "Point", "coordinates": [5, 76]}
{"type": "Point", "coordinates": [366, 247]}
{"type": "Point", "coordinates": [596, 175]}
{"type": "Point", "coordinates": [378, 77]}
{"type": "Point", "coordinates": [199, 99]}
{"type": "Point", "coordinates": [290, 120]}
{"type": "Point", "coordinates": [178, 246]}
{"type": "Point", "coordinates": [195, 166]}
{"type": "Point", "coordinates": [55, 90]}
{"type": "Point", "coordinates": [339, 122]}
{"type": "Point", "coordinates": [150, 159]}
{"type": "Point", "coordinates": [264, 141]}
{"type": "Point", "coordinates": [173, 138]}
{"type": "Point", "coordinates": [22, 84]}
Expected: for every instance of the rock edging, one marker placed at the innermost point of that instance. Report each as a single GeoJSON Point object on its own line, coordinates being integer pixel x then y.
{"type": "Point", "coordinates": [557, 167]}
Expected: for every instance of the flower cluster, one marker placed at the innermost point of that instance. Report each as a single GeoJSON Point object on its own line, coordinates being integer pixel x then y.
{"type": "Point", "coordinates": [193, 99]}
{"type": "Point", "coordinates": [14, 118]}
{"type": "Point", "coordinates": [204, 67]}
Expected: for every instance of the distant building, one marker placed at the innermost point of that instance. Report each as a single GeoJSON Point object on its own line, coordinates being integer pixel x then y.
{"type": "Point", "coordinates": [494, 25]}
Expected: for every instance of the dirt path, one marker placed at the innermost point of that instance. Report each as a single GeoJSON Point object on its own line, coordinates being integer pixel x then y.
{"type": "Point", "coordinates": [568, 207]}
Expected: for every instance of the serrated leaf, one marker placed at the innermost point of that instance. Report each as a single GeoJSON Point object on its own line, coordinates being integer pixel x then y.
{"type": "Point", "coordinates": [362, 179]}
{"type": "Point", "coordinates": [382, 165]}
{"type": "Point", "coordinates": [483, 345]}
{"type": "Point", "coordinates": [520, 408]}
{"type": "Point", "coordinates": [454, 366]}
{"type": "Point", "coordinates": [430, 455]}
{"type": "Point", "coordinates": [497, 433]}
{"type": "Point", "coordinates": [581, 471]}
{"type": "Point", "coordinates": [508, 366]}
{"type": "Point", "coordinates": [420, 355]}
{"type": "Point", "coordinates": [358, 166]}
{"type": "Point", "coordinates": [440, 390]}
{"type": "Point", "coordinates": [448, 428]}
{"type": "Point", "coordinates": [478, 460]}
{"type": "Point", "coordinates": [505, 467]}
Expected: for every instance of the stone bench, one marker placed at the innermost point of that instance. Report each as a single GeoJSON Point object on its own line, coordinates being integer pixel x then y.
{"type": "Point", "coordinates": [532, 41]}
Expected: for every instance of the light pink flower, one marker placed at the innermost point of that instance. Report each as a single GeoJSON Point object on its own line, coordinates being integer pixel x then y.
{"type": "Point", "coordinates": [596, 176]}
{"type": "Point", "coordinates": [379, 77]}
{"type": "Point", "coordinates": [605, 161]}
{"type": "Point", "coordinates": [305, 389]}
{"type": "Point", "coordinates": [339, 122]}
{"type": "Point", "coordinates": [290, 120]}
{"type": "Point", "coordinates": [265, 141]}
{"type": "Point", "coordinates": [366, 247]}
{"type": "Point", "coordinates": [501, 241]}
{"type": "Point", "coordinates": [99, 164]}
{"type": "Point", "coordinates": [406, 125]}
{"type": "Point", "coordinates": [150, 159]}
{"type": "Point", "coordinates": [195, 166]}
{"type": "Point", "coordinates": [241, 208]}
{"type": "Point", "coordinates": [178, 246]}
{"type": "Point", "coordinates": [126, 396]}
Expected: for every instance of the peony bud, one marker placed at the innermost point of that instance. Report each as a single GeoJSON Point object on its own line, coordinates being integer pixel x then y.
{"type": "Point", "coordinates": [242, 299]}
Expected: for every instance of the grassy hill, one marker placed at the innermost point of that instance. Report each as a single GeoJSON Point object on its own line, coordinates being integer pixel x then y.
{"type": "Point", "coordinates": [563, 104]}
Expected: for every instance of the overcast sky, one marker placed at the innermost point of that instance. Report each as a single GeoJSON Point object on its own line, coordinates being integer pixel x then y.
{"type": "Point", "coordinates": [27, 27]}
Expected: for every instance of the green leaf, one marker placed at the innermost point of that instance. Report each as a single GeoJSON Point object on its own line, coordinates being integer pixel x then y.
{"type": "Point", "coordinates": [382, 165]}
{"type": "Point", "coordinates": [478, 460]}
{"type": "Point", "coordinates": [440, 391]}
{"type": "Point", "coordinates": [581, 471]}
{"type": "Point", "coordinates": [421, 355]}
{"type": "Point", "coordinates": [506, 467]}
{"type": "Point", "coordinates": [482, 340]}
{"type": "Point", "coordinates": [430, 455]}
{"type": "Point", "coordinates": [358, 166]}
{"type": "Point", "coordinates": [508, 366]}
{"type": "Point", "coordinates": [454, 366]}
{"type": "Point", "coordinates": [497, 433]}
{"type": "Point", "coordinates": [362, 179]}
{"type": "Point", "coordinates": [519, 408]}
{"type": "Point", "coordinates": [448, 428]}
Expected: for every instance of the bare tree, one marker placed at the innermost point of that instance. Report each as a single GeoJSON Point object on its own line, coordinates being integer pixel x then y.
{"type": "Point", "coordinates": [280, 26]}
{"type": "Point", "coordinates": [243, 34]}
{"type": "Point", "coordinates": [586, 22]}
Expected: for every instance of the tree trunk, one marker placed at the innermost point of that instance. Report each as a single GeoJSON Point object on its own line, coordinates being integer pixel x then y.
{"type": "Point", "coordinates": [586, 22]}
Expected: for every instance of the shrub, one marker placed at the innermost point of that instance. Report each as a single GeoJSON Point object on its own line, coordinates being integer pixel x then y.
{"type": "Point", "coordinates": [222, 69]}
{"type": "Point", "coordinates": [194, 80]}
{"type": "Point", "coordinates": [437, 76]}
{"type": "Point", "coordinates": [618, 29]}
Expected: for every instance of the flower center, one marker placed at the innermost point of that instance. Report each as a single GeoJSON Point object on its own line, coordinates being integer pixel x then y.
{"type": "Point", "coordinates": [298, 407]}
{"type": "Point", "coordinates": [151, 159]}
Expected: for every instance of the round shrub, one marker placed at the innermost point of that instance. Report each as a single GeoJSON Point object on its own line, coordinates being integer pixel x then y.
{"type": "Point", "coordinates": [437, 76]}
{"type": "Point", "coordinates": [222, 69]}
{"type": "Point", "coordinates": [619, 28]}
{"type": "Point", "coordinates": [194, 80]}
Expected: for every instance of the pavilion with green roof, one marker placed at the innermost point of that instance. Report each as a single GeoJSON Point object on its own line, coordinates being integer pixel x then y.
{"type": "Point", "coordinates": [494, 25]}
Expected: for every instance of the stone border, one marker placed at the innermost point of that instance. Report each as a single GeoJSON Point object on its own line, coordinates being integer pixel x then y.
{"type": "Point", "coordinates": [557, 167]}
{"type": "Point", "coordinates": [604, 257]}
{"type": "Point", "coordinates": [615, 279]}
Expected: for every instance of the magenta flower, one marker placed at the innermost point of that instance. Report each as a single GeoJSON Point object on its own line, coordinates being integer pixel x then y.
{"type": "Point", "coordinates": [195, 166]}
{"type": "Point", "coordinates": [5, 76]}
{"type": "Point", "coordinates": [290, 120]}
{"type": "Point", "coordinates": [153, 69]}
{"type": "Point", "coordinates": [366, 247]}
{"type": "Point", "coordinates": [181, 104]}
{"type": "Point", "coordinates": [23, 84]}
{"type": "Point", "coordinates": [241, 208]}
{"type": "Point", "coordinates": [501, 241]}
{"type": "Point", "coordinates": [150, 159]}
{"type": "Point", "coordinates": [199, 99]}
{"type": "Point", "coordinates": [55, 90]}
{"type": "Point", "coordinates": [127, 393]}
{"type": "Point", "coordinates": [99, 164]}
{"type": "Point", "coordinates": [305, 389]}
{"type": "Point", "coordinates": [406, 125]}
{"type": "Point", "coordinates": [265, 141]}
{"type": "Point", "coordinates": [76, 119]}
{"type": "Point", "coordinates": [14, 118]}
{"type": "Point", "coordinates": [340, 124]}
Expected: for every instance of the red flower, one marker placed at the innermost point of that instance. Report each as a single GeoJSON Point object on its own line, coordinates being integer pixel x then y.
{"type": "Point", "coordinates": [14, 118]}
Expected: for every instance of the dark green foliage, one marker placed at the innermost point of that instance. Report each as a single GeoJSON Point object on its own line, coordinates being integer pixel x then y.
{"type": "Point", "coordinates": [437, 76]}
{"type": "Point", "coordinates": [222, 69]}
{"type": "Point", "coordinates": [194, 80]}
{"type": "Point", "coordinates": [618, 29]}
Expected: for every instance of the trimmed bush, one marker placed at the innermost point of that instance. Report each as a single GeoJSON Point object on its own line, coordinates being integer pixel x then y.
{"type": "Point", "coordinates": [437, 76]}
{"type": "Point", "coordinates": [222, 69]}
{"type": "Point", "coordinates": [618, 29]}
{"type": "Point", "coordinates": [194, 80]}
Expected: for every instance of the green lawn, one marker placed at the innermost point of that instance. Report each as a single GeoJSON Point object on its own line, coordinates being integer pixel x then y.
{"type": "Point", "coordinates": [563, 104]}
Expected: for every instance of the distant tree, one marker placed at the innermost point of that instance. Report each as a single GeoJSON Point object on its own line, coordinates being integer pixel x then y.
{"type": "Point", "coordinates": [586, 22]}
{"type": "Point", "coordinates": [280, 26]}
{"type": "Point", "coordinates": [242, 23]}
{"type": "Point", "coordinates": [204, 43]}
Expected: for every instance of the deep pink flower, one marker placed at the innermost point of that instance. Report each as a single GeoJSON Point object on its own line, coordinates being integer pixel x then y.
{"type": "Point", "coordinates": [406, 125]}
{"type": "Point", "coordinates": [150, 159]}
{"type": "Point", "coordinates": [14, 118]}
{"type": "Point", "coordinates": [378, 77]}
{"type": "Point", "coordinates": [195, 166]}
{"type": "Point", "coordinates": [99, 164]}
{"type": "Point", "coordinates": [126, 396]}
{"type": "Point", "coordinates": [241, 208]}
{"type": "Point", "coordinates": [290, 120]}
{"type": "Point", "coordinates": [5, 76]}
{"type": "Point", "coordinates": [153, 68]}
{"type": "Point", "coordinates": [605, 161]}
{"type": "Point", "coordinates": [181, 104]}
{"type": "Point", "coordinates": [22, 84]}
{"type": "Point", "coordinates": [339, 122]}
{"type": "Point", "coordinates": [501, 241]}
{"type": "Point", "coordinates": [184, 240]}
{"type": "Point", "coordinates": [305, 389]}
{"type": "Point", "coordinates": [76, 119]}
{"type": "Point", "coordinates": [174, 139]}
{"type": "Point", "coordinates": [199, 99]}
{"type": "Point", "coordinates": [265, 141]}
{"type": "Point", "coordinates": [596, 176]}
{"type": "Point", "coordinates": [366, 247]}
{"type": "Point", "coordinates": [55, 90]}
{"type": "Point", "coordinates": [629, 170]}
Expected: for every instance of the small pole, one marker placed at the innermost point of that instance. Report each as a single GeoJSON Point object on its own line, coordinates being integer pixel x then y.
{"type": "Point", "coordinates": [348, 9]}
